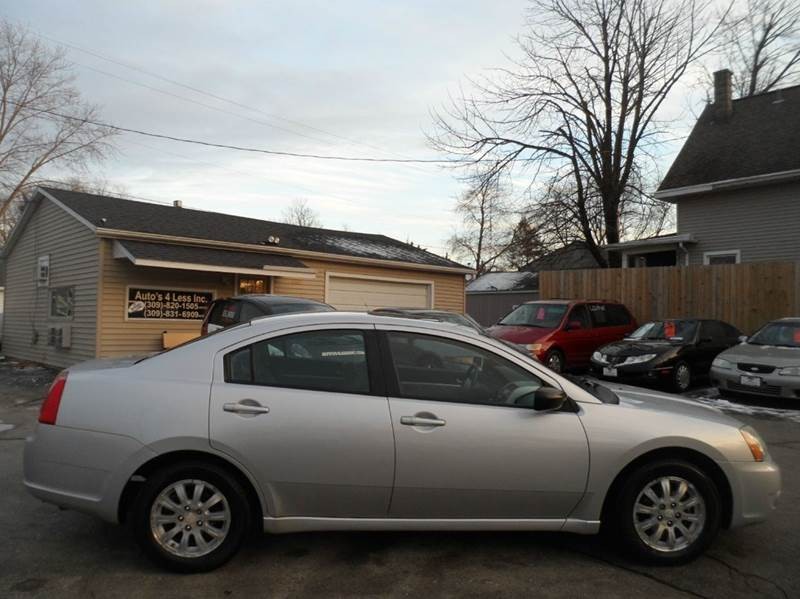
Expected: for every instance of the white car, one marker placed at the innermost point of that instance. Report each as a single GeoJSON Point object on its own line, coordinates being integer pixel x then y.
{"type": "Point", "coordinates": [344, 421]}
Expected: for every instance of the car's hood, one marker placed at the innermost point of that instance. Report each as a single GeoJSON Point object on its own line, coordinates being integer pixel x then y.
{"type": "Point", "coordinates": [631, 347]}
{"type": "Point", "coordinates": [517, 334]}
{"type": "Point", "coordinates": [106, 363]}
{"type": "Point", "coordinates": [763, 354]}
{"type": "Point", "coordinates": [657, 401]}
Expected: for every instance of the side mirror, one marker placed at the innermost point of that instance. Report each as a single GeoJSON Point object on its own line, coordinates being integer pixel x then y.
{"type": "Point", "coordinates": [706, 340]}
{"type": "Point", "coordinates": [574, 325]}
{"type": "Point", "coordinates": [548, 398]}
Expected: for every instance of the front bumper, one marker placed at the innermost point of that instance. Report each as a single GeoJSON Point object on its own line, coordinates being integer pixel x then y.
{"type": "Point", "coordinates": [634, 373]}
{"type": "Point", "coordinates": [756, 488]}
{"type": "Point", "coordinates": [772, 385]}
{"type": "Point", "coordinates": [80, 469]}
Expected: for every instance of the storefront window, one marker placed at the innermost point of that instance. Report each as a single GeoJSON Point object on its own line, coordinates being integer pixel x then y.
{"type": "Point", "coordinates": [253, 285]}
{"type": "Point", "coordinates": [62, 302]}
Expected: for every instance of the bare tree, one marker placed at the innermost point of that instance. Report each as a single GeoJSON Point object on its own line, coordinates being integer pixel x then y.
{"type": "Point", "coordinates": [44, 122]}
{"type": "Point", "coordinates": [526, 244]}
{"type": "Point", "coordinates": [485, 236]}
{"type": "Point", "coordinates": [300, 213]}
{"type": "Point", "coordinates": [580, 107]}
{"type": "Point", "coordinates": [763, 46]}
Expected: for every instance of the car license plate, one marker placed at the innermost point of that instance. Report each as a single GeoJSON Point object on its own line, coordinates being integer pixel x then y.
{"type": "Point", "coordinates": [750, 381]}
{"type": "Point", "coordinates": [609, 371]}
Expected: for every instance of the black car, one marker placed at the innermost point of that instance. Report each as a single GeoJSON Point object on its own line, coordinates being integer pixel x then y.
{"type": "Point", "coordinates": [669, 352]}
{"type": "Point", "coordinates": [244, 308]}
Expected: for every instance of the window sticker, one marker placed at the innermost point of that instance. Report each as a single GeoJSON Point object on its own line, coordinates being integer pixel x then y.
{"type": "Point", "coordinates": [669, 329]}
{"type": "Point", "coordinates": [540, 313]}
{"type": "Point", "coordinates": [797, 335]}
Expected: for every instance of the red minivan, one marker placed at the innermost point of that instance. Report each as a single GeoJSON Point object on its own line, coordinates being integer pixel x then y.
{"type": "Point", "coordinates": [564, 333]}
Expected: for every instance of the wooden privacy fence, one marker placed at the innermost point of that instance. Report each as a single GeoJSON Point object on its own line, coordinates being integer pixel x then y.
{"type": "Point", "coordinates": [745, 295]}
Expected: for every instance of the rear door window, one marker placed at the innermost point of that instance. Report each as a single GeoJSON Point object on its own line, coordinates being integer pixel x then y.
{"type": "Point", "coordinates": [599, 315]}
{"type": "Point", "coordinates": [330, 360]}
{"type": "Point", "coordinates": [617, 315]}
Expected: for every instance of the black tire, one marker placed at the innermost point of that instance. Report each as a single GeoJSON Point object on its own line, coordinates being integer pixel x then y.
{"type": "Point", "coordinates": [623, 516]}
{"type": "Point", "coordinates": [681, 382]}
{"type": "Point", "coordinates": [235, 501]}
{"type": "Point", "coordinates": [555, 360]}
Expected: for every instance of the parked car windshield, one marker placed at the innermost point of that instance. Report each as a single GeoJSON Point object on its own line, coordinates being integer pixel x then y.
{"type": "Point", "coordinates": [780, 334]}
{"type": "Point", "coordinates": [543, 315]}
{"type": "Point", "coordinates": [666, 329]}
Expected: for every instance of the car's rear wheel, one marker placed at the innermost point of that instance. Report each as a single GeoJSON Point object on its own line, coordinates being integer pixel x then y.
{"type": "Point", "coordinates": [681, 377]}
{"type": "Point", "coordinates": [191, 516]}
{"type": "Point", "coordinates": [555, 360]}
{"type": "Point", "coordinates": [668, 512]}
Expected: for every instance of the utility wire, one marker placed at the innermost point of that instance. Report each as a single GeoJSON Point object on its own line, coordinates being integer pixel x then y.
{"type": "Point", "coordinates": [209, 94]}
{"type": "Point", "coordinates": [240, 148]}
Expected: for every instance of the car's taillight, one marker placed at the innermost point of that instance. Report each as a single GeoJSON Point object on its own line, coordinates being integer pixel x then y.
{"type": "Point", "coordinates": [49, 410]}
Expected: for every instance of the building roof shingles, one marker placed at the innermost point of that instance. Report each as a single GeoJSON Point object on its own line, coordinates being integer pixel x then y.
{"type": "Point", "coordinates": [760, 137]}
{"type": "Point", "coordinates": [143, 217]}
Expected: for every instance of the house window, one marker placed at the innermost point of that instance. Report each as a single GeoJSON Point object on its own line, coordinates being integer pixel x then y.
{"type": "Point", "coordinates": [62, 302]}
{"type": "Point", "coordinates": [725, 257]}
{"type": "Point", "coordinates": [43, 271]}
{"type": "Point", "coordinates": [253, 285]}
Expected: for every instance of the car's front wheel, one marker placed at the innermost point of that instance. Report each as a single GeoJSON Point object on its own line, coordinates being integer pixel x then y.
{"type": "Point", "coordinates": [668, 512]}
{"type": "Point", "coordinates": [191, 516]}
{"type": "Point", "coordinates": [681, 377]}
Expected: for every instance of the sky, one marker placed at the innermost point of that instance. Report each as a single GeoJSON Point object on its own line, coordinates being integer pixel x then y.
{"type": "Point", "coordinates": [352, 78]}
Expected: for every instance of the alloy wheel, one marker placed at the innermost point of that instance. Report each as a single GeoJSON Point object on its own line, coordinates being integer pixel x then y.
{"type": "Point", "coordinates": [669, 514]}
{"type": "Point", "coordinates": [190, 518]}
{"type": "Point", "coordinates": [683, 377]}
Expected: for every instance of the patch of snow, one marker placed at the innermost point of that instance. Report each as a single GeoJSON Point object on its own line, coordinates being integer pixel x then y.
{"type": "Point", "coordinates": [5, 427]}
{"type": "Point", "coordinates": [710, 397]}
{"type": "Point", "coordinates": [504, 281]}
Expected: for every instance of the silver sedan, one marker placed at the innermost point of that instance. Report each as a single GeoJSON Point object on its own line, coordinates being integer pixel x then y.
{"type": "Point", "coordinates": [344, 421]}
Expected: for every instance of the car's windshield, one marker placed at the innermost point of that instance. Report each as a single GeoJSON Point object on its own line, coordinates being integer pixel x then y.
{"type": "Point", "coordinates": [666, 329]}
{"type": "Point", "coordinates": [781, 334]}
{"type": "Point", "coordinates": [536, 314]}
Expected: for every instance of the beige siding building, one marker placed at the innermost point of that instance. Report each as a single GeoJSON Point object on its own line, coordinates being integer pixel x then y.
{"type": "Point", "coordinates": [94, 276]}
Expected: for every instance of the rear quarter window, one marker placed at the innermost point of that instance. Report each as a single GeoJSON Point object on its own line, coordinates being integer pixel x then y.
{"type": "Point", "coordinates": [225, 313]}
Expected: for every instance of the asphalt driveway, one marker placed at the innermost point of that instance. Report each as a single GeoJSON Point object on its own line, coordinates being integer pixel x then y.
{"type": "Point", "coordinates": [45, 552]}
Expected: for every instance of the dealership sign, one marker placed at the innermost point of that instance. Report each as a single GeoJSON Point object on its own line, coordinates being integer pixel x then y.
{"type": "Point", "coordinates": [167, 304]}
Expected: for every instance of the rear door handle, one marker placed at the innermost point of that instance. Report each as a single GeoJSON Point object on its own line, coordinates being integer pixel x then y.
{"type": "Point", "coordinates": [420, 421]}
{"type": "Point", "coordinates": [246, 406]}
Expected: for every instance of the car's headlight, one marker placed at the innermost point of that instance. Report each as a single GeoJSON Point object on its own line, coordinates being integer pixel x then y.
{"type": "Point", "coordinates": [722, 363]}
{"type": "Point", "coordinates": [790, 371]}
{"type": "Point", "coordinates": [598, 357]}
{"type": "Point", "coordinates": [639, 359]}
{"type": "Point", "coordinates": [754, 442]}
{"type": "Point", "coordinates": [534, 348]}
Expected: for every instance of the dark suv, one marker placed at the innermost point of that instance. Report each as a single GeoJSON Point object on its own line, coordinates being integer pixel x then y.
{"type": "Point", "coordinates": [243, 308]}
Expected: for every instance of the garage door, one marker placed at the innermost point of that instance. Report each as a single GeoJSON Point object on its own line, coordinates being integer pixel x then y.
{"type": "Point", "coordinates": [352, 293]}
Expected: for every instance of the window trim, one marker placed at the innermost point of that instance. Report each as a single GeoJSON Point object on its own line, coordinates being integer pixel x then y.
{"type": "Point", "coordinates": [393, 382]}
{"type": "Point", "coordinates": [708, 255]}
{"type": "Point", "coordinates": [371, 354]}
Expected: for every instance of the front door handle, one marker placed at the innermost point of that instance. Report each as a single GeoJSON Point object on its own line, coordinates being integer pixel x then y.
{"type": "Point", "coordinates": [247, 406]}
{"type": "Point", "coordinates": [421, 421]}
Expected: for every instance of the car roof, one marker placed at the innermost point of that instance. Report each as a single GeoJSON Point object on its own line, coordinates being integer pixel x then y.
{"type": "Point", "coordinates": [299, 319]}
{"type": "Point", "coordinates": [574, 301]}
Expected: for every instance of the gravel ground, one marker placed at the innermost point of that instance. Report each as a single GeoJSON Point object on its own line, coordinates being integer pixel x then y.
{"type": "Point", "coordinates": [47, 553]}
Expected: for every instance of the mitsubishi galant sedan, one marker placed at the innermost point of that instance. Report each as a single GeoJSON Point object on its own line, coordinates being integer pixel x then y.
{"type": "Point", "coordinates": [344, 421]}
